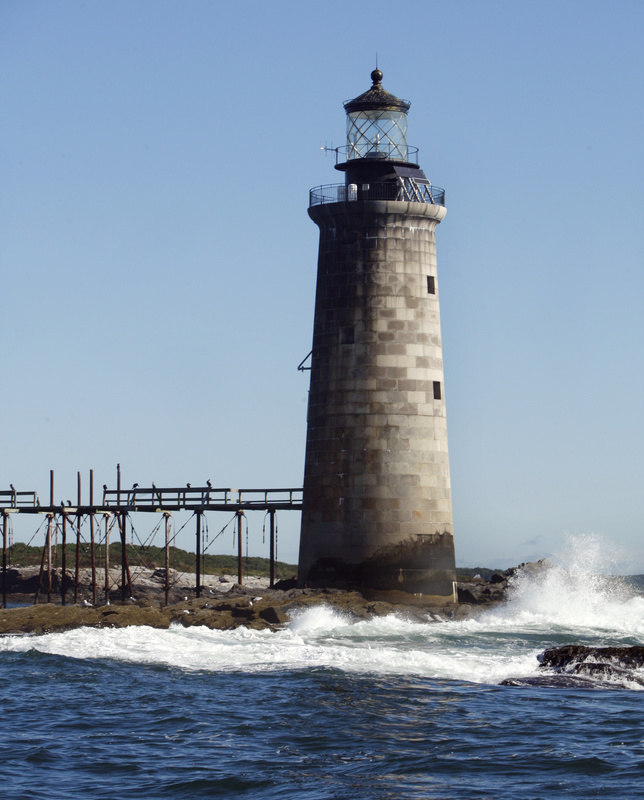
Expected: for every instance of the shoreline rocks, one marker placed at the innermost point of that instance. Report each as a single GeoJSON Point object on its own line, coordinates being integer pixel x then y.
{"type": "Point", "coordinates": [251, 607]}
{"type": "Point", "coordinates": [223, 603]}
{"type": "Point", "coordinates": [477, 591]}
{"type": "Point", "coordinates": [579, 666]}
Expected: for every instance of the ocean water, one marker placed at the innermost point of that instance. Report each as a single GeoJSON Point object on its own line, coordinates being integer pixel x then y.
{"type": "Point", "coordinates": [327, 708]}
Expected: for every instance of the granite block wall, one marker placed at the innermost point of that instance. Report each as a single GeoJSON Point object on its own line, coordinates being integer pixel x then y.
{"type": "Point", "coordinates": [377, 505]}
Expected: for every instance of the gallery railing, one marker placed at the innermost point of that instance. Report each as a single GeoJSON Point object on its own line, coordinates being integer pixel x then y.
{"type": "Point", "coordinates": [405, 189]}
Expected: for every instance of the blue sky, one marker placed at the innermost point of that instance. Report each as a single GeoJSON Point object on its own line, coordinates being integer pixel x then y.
{"type": "Point", "coordinates": [157, 264]}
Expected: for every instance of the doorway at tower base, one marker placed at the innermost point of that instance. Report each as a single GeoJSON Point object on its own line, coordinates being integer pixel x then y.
{"type": "Point", "coordinates": [418, 570]}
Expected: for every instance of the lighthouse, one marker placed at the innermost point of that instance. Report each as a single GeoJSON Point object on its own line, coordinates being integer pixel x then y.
{"type": "Point", "coordinates": [377, 510]}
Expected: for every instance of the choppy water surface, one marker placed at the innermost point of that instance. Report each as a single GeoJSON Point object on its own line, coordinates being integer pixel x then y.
{"type": "Point", "coordinates": [327, 708]}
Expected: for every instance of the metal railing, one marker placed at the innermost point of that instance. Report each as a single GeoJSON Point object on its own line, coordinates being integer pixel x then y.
{"type": "Point", "coordinates": [199, 497]}
{"type": "Point", "coordinates": [10, 498]}
{"type": "Point", "coordinates": [388, 150]}
{"type": "Point", "coordinates": [156, 498]}
{"type": "Point", "coordinates": [403, 190]}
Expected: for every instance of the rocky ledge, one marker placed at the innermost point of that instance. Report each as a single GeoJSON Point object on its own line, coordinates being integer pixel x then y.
{"type": "Point", "coordinates": [239, 606]}
{"type": "Point", "coordinates": [578, 666]}
{"type": "Point", "coordinates": [477, 591]}
{"type": "Point", "coordinates": [223, 604]}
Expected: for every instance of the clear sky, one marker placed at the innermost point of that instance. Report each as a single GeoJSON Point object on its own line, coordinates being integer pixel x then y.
{"type": "Point", "coordinates": [157, 264]}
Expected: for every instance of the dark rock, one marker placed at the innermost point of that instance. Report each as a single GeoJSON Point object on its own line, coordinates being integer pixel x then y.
{"type": "Point", "coordinates": [530, 568]}
{"type": "Point", "coordinates": [556, 682]}
{"type": "Point", "coordinates": [285, 584]}
{"type": "Point", "coordinates": [379, 608]}
{"type": "Point", "coordinates": [272, 615]}
{"type": "Point", "coordinates": [467, 595]}
{"type": "Point", "coordinates": [587, 667]}
{"type": "Point", "coordinates": [574, 655]}
{"type": "Point", "coordinates": [476, 591]}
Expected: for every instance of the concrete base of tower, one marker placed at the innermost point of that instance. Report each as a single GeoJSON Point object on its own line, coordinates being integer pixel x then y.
{"type": "Point", "coordinates": [419, 570]}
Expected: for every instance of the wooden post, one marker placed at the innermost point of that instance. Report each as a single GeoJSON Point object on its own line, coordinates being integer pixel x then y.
{"type": "Point", "coordinates": [78, 527]}
{"type": "Point", "coordinates": [107, 560]}
{"type": "Point", "coordinates": [122, 521]}
{"type": "Point", "coordinates": [91, 534]}
{"type": "Point", "coordinates": [167, 558]}
{"type": "Point", "coordinates": [63, 582]}
{"type": "Point", "coordinates": [198, 555]}
{"type": "Point", "coordinates": [272, 549]}
{"type": "Point", "coordinates": [240, 576]}
{"type": "Point", "coordinates": [42, 573]}
{"type": "Point", "coordinates": [48, 548]}
{"type": "Point", "coordinates": [48, 545]}
{"type": "Point", "coordinates": [5, 519]}
{"type": "Point", "coordinates": [126, 578]}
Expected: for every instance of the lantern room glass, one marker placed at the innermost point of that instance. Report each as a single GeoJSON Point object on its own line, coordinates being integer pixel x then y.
{"type": "Point", "coordinates": [377, 133]}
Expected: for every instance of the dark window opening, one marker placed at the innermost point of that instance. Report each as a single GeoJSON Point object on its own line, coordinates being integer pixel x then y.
{"type": "Point", "coordinates": [437, 390]}
{"type": "Point", "coordinates": [348, 335]}
{"type": "Point", "coordinates": [431, 284]}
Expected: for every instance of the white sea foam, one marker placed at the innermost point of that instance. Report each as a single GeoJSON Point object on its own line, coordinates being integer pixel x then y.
{"type": "Point", "coordinates": [561, 605]}
{"type": "Point", "coordinates": [387, 646]}
{"type": "Point", "coordinates": [574, 595]}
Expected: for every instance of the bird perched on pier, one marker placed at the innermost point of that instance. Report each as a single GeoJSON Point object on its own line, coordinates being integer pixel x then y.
{"type": "Point", "coordinates": [208, 484]}
{"type": "Point", "coordinates": [135, 485]}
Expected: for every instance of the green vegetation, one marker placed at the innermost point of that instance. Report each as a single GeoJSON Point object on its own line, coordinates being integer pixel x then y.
{"type": "Point", "coordinates": [22, 555]}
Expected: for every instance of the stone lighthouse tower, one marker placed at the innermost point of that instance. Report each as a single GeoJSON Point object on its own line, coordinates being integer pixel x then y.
{"type": "Point", "coordinates": [377, 512]}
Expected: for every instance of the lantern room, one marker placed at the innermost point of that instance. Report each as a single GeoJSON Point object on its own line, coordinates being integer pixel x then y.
{"type": "Point", "coordinates": [376, 124]}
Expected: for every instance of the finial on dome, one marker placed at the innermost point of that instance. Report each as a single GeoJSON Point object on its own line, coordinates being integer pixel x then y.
{"type": "Point", "coordinates": [376, 77]}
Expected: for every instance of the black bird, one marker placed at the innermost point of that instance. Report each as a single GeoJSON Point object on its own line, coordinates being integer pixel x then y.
{"type": "Point", "coordinates": [135, 485]}
{"type": "Point", "coordinates": [12, 489]}
{"type": "Point", "coordinates": [208, 484]}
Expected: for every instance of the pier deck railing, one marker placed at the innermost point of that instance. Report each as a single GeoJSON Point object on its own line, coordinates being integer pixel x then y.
{"type": "Point", "coordinates": [201, 497]}
{"type": "Point", "coordinates": [117, 505]}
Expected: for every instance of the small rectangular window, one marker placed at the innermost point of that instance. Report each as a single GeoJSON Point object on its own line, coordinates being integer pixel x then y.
{"type": "Point", "coordinates": [437, 390]}
{"type": "Point", "coordinates": [431, 284]}
{"type": "Point", "coordinates": [348, 335]}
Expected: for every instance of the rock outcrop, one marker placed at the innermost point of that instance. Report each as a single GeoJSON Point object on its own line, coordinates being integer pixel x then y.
{"type": "Point", "coordinates": [478, 592]}
{"type": "Point", "coordinates": [587, 667]}
{"type": "Point", "coordinates": [252, 607]}
{"type": "Point", "coordinates": [223, 603]}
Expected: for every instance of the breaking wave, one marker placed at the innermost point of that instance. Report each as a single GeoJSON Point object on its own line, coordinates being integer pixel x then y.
{"type": "Point", "coordinates": [556, 606]}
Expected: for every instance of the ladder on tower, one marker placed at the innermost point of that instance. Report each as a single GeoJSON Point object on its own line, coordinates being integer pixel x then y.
{"type": "Point", "coordinates": [415, 191]}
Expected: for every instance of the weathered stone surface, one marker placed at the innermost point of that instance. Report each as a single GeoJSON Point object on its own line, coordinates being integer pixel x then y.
{"type": "Point", "coordinates": [377, 513]}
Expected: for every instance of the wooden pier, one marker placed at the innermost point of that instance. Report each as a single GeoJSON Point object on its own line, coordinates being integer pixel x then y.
{"type": "Point", "coordinates": [114, 509]}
